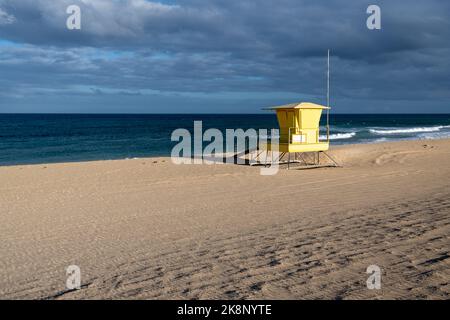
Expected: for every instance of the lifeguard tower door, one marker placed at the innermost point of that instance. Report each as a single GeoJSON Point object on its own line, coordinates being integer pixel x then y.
{"type": "Point", "coordinates": [286, 119]}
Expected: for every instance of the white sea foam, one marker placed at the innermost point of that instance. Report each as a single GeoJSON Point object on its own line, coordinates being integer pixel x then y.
{"type": "Point", "coordinates": [406, 130]}
{"type": "Point", "coordinates": [339, 136]}
{"type": "Point", "coordinates": [434, 135]}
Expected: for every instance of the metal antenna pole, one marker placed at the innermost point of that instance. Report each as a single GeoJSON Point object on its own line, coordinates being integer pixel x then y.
{"type": "Point", "coordinates": [328, 95]}
{"type": "Point", "coordinates": [328, 79]}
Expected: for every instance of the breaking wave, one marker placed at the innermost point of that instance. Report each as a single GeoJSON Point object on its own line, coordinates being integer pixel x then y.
{"type": "Point", "coordinates": [339, 136]}
{"type": "Point", "coordinates": [407, 130]}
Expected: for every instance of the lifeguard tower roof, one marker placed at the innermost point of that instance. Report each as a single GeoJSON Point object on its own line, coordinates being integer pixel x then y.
{"type": "Point", "coordinates": [298, 105]}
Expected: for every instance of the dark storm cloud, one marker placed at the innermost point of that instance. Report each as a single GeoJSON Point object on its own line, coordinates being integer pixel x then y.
{"type": "Point", "coordinates": [138, 48]}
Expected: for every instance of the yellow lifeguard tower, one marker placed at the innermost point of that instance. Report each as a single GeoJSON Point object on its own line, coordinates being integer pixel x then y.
{"type": "Point", "coordinates": [300, 127]}
{"type": "Point", "coordinates": [300, 134]}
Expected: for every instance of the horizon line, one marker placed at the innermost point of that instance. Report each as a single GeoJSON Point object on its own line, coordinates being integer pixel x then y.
{"type": "Point", "coordinates": [218, 113]}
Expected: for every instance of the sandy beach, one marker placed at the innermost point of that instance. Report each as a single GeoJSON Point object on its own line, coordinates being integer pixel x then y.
{"type": "Point", "coordinates": [149, 229]}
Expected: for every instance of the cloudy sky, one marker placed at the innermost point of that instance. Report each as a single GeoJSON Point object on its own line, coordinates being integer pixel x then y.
{"type": "Point", "coordinates": [223, 56]}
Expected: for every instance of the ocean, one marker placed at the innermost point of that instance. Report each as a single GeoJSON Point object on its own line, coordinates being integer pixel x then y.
{"type": "Point", "coordinates": [49, 138]}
